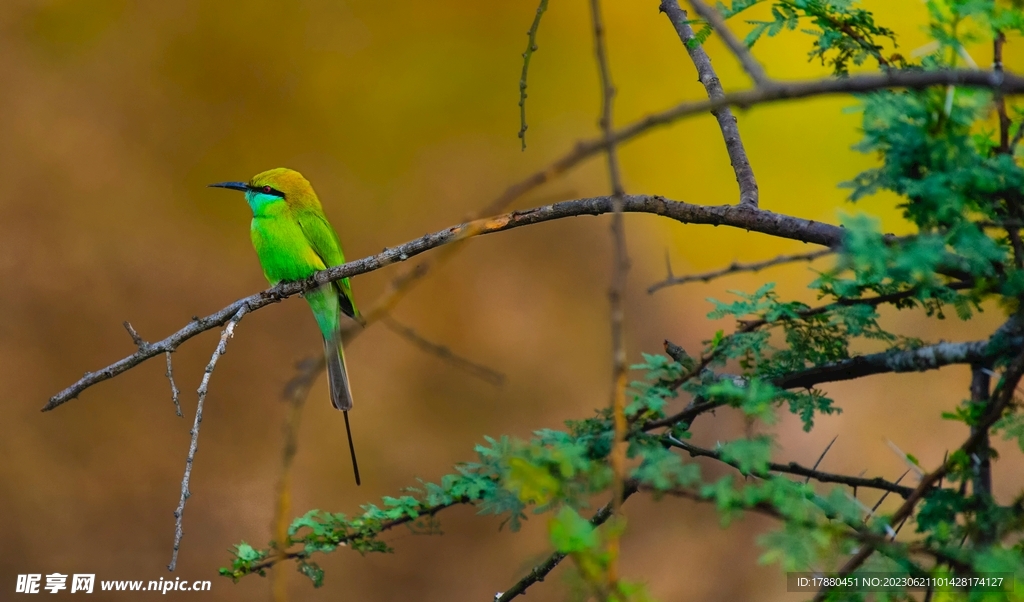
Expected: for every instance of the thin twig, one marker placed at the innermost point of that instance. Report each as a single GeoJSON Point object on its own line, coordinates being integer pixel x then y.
{"type": "Point", "coordinates": [751, 325]}
{"type": "Point", "coordinates": [738, 48]}
{"type": "Point", "coordinates": [726, 120]}
{"type": "Point", "coordinates": [531, 47]}
{"type": "Point", "coordinates": [540, 572]}
{"type": "Point", "coordinates": [174, 388]}
{"type": "Point", "coordinates": [795, 469]}
{"type": "Point", "coordinates": [616, 292]}
{"type": "Point", "coordinates": [141, 344]}
{"type": "Point", "coordinates": [222, 345]}
{"type": "Point", "coordinates": [1006, 82]}
{"type": "Point", "coordinates": [488, 375]}
{"type": "Point", "coordinates": [735, 268]}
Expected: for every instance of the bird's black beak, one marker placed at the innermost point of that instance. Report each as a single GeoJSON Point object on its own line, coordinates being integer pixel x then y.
{"type": "Point", "coordinates": [242, 186]}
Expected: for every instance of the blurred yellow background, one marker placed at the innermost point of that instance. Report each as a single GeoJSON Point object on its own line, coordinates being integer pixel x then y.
{"type": "Point", "coordinates": [115, 115]}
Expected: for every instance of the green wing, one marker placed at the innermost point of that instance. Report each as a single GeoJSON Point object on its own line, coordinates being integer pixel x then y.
{"type": "Point", "coordinates": [324, 240]}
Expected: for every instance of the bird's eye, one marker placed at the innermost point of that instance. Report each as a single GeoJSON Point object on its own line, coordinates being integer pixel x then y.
{"type": "Point", "coordinates": [267, 189]}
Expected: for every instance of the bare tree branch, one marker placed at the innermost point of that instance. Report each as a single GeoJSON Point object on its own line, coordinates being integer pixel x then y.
{"type": "Point", "coordinates": [1008, 83]}
{"type": "Point", "coordinates": [1005, 82]}
{"type": "Point", "coordinates": [738, 48]}
{"type": "Point", "coordinates": [540, 572]}
{"type": "Point", "coordinates": [222, 345]}
{"type": "Point", "coordinates": [726, 120]}
{"type": "Point", "coordinates": [488, 375]}
{"type": "Point", "coordinates": [740, 217]}
{"type": "Point", "coordinates": [931, 357]}
{"type": "Point", "coordinates": [735, 268]}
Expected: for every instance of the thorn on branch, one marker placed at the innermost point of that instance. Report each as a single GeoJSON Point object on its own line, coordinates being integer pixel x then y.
{"type": "Point", "coordinates": [821, 457]}
{"type": "Point", "coordinates": [886, 494]}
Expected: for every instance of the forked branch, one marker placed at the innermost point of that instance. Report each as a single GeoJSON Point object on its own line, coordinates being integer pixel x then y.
{"type": "Point", "coordinates": [738, 48]}
{"type": "Point", "coordinates": [726, 120]}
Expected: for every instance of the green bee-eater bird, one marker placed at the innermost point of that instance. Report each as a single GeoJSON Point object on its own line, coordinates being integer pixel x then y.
{"type": "Point", "coordinates": [293, 240]}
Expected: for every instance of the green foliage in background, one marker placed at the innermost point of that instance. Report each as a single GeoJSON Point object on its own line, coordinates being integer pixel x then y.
{"type": "Point", "coordinates": [959, 185]}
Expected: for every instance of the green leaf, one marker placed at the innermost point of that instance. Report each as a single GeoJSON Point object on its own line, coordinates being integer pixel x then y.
{"type": "Point", "coordinates": [664, 470]}
{"type": "Point", "coordinates": [750, 456]}
{"type": "Point", "coordinates": [571, 533]}
{"type": "Point", "coordinates": [313, 571]}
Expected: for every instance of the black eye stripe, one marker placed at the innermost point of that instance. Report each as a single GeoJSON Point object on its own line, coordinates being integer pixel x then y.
{"type": "Point", "coordinates": [266, 190]}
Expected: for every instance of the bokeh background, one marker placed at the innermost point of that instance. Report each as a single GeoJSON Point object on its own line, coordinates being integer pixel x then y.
{"type": "Point", "coordinates": [115, 114]}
